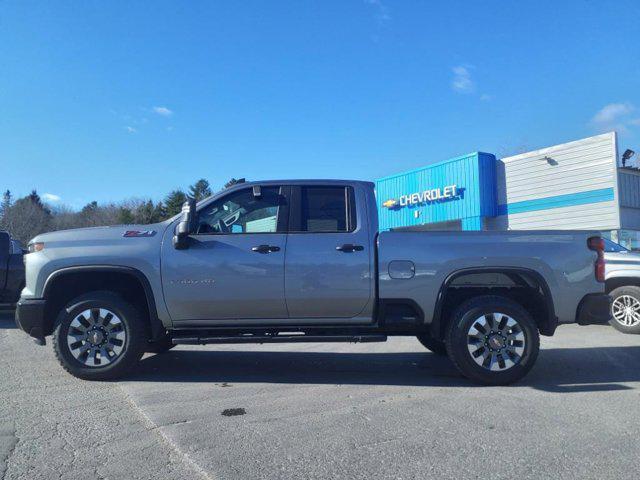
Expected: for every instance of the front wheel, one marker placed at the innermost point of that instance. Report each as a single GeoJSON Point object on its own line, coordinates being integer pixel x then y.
{"type": "Point", "coordinates": [492, 340]}
{"type": "Point", "coordinates": [99, 336]}
{"type": "Point", "coordinates": [625, 309]}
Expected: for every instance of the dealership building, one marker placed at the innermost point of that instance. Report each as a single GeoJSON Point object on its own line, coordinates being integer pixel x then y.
{"type": "Point", "coordinates": [575, 185]}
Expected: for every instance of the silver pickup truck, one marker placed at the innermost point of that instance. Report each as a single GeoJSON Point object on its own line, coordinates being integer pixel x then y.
{"type": "Point", "coordinates": [303, 261]}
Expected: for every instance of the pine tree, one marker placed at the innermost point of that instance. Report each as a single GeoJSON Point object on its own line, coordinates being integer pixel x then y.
{"type": "Point", "coordinates": [200, 190]}
{"type": "Point", "coordinates": [6, 201]}
{"type": "Point", "coordinates": [35, 198]}
{"type": "Point", "coordinates": [174, 201]}
{"type": "Point", "coordinates": [233, 182]}
{"type": "Point", "coordinates": [89, 208]}
{"type": "Point", "coordinates": [125, 216]}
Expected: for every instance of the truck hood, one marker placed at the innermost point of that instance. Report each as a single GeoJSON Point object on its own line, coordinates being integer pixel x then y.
{"type": "Point", "coordinates": [80, 235]}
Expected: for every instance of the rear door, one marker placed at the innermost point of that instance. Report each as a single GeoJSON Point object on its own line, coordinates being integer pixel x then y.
{"type": "Point", "coordinates": [328, 259]}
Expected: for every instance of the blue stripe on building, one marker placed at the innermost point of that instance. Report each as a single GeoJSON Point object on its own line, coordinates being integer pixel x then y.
{"type": "Point", "coordinates": [558, 201]}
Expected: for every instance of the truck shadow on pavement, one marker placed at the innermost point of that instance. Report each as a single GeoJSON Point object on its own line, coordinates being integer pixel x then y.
{"type": "Point", "coordinates": [7, 319]}
{"type": "Point", "coordinates": [562, 370]}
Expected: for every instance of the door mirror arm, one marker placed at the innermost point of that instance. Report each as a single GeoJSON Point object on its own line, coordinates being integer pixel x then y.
{"type": "Point", "coordinates": [186, 226]}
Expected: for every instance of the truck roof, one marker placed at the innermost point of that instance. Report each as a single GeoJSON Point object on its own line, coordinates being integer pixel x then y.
{"type": "Point", "coordinates": [306, 182]}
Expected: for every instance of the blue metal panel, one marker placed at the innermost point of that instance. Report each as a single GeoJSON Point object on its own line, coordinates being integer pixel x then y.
{"type": "Point", "coordinates": [472, 223]}
{"type": "Point", "coordinates": [629, 189]}
{"type": "Point", "coordinates": [487, 166]}
{"type": "Point", "coordinates": [474, 175]}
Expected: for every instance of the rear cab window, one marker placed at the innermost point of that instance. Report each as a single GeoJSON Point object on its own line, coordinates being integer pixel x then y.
{"type": "Point", "coordinates": [322, 209]}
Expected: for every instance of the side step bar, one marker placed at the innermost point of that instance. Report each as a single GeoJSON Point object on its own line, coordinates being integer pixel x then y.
{"type": "Point", "coordinates": [278, 339]}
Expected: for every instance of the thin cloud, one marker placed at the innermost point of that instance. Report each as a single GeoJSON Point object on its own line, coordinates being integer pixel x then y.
{"type": "Point", "coordinates": [130, 129]}
{"type": "Point", "coordinates": [485, 97]}
{"type": "Point", "coordinates": [612, 112]}
{"type": "Point", "coordinates": [462, 81]}
{"type": "Point", "coordinates": [162, 111]}
{"type": "Point", "coordinates": [381, 12]}
{"type": "Point", "coordinates": [615, 116]}
{"type": "Point", "coordinates": [50, 197]}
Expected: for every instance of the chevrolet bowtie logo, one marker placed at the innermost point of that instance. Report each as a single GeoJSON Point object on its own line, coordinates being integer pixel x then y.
{"type": "Point", "coordinates": [390, 203]}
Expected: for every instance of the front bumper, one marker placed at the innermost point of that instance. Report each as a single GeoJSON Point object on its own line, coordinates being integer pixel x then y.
{"type": "Point", "coordinates": [30, 317]}
{"type": "Point", "coordinates": [594, 309]}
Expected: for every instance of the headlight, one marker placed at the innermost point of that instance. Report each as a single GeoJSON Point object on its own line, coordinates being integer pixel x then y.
{"type": "Point", "coordinates": [35, 247]}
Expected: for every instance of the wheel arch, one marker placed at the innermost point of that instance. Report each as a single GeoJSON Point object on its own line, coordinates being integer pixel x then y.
{"type": "Point", "coordinates": [101, 277]}
{"type": "Point", "coordinates": [544, 316]}
{"type": "Point", "coordinates": [621, 281]}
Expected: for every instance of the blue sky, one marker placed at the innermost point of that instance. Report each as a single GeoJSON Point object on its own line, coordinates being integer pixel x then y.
{"type": "Point", "coordinates": [111, 100]}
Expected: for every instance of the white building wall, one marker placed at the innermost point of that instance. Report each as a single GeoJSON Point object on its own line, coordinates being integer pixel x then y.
{"type": "Point", "coordinates": [568, 186]}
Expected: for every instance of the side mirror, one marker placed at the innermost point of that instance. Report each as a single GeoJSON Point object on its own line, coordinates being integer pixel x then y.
{"type": "Point", "coordinates": [186, 226]}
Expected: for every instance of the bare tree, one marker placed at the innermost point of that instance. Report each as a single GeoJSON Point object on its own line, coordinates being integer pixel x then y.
{"type": "Point", "coordinates": [25, 219]}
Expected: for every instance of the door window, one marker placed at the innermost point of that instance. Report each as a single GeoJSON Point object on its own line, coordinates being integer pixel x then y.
{"type": "Point", "coordinates": [326, 209]}
{"type": "Point", "coordinates": [242, 212]}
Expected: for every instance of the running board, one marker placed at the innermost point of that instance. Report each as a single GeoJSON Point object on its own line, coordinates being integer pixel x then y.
{"type": "Point", "coordinates": [278, 339]}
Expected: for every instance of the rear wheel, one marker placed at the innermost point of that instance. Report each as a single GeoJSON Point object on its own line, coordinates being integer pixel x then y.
{"type": "Point", "coordinates": [99, 336]}
{"type": "Point", "coordinates": [493, 340]}
{"type": "Point", "coordinates": [436, 346]}
{"type": "Point", "coordinates": [625, 309]}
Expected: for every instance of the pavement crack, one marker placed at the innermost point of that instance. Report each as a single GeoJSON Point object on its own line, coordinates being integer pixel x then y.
{"type": "Point", "coordinates": [151, 425]}
{"type": "Point", "coordinates": [9, 440]}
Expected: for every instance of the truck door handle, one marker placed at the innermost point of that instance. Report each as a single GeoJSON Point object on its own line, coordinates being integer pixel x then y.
{"type": "Point", "coordinates": [265, 249]}
{"type": "Point", "coordinates": [349, 247]}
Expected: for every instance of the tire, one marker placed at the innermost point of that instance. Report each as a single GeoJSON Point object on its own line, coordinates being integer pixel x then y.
{"type": "Point", "coordinates": [99, 336]}
{"type": "Point", "coordinates": [496, 328]}
{"type": "Point", "coordinates": [160, 346]}
{"type": "Point", "coordinates": [436, 346]}
{"type": "Point", "coordinates": [622, 298]}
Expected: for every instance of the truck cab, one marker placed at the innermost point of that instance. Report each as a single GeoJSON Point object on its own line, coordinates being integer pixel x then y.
{"type": "Point", "coordinates": [303, 261]}
{"type": "Point", "coordinates": [285, 254]}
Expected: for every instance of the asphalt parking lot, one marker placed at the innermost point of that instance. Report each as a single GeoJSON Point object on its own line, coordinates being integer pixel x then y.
{"type": "Point", "coordinates": [388, 410]}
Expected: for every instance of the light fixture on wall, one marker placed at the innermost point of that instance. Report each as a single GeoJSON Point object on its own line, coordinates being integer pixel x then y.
{"type": "Point", "coordinates": [628, 153]}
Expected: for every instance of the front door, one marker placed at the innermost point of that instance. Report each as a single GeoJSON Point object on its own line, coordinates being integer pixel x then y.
{"type": "Point", "coordinates": [234, 265]}
{"type": "Point", "coordinates": [328, 261]}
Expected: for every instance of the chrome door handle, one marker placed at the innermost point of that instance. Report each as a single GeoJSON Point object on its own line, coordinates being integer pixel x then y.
{"type": "Point", "coordinates": [349, 247]}
{"type": "Point", "coordinates": [265, 249]}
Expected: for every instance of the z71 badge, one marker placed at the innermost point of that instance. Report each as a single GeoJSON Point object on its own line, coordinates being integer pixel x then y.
{"type": "Point", "coordinates": [139, 233]}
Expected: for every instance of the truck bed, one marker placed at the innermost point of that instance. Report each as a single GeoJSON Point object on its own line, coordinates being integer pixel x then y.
{"type": "Point", "coordinates": [411, 263]}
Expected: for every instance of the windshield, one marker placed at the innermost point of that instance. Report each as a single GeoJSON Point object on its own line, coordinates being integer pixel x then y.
{"type": "Point", "coordinates": [610, 246]}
